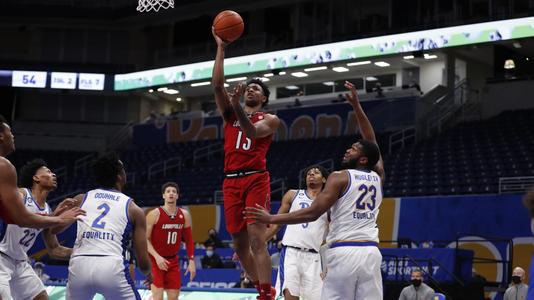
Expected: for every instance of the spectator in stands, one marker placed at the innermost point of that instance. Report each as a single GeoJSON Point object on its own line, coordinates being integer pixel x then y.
{"type": "Point", "coordinates": [213, 239]}
{"type": "Point", "coordinates": [528, 201]}
{"type": "Point", "coordinates": [418, 290]}
{"type": "Point", "coordinates": [211, 260]}
{"type": "Point", "coordinates": [275, 257]}
{"type": "Point", "coordinates": [517, 289]}
{"type": "Point", "coordinates": [244, 282]}
{"type": "Point", "coordinates": [38, 267]}
{"type": "Point", "coordinates": [378, 89]}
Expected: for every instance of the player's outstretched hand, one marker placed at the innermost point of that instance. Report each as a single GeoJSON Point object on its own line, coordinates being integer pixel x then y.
{"type": "Point", "coordinates": [68, 203]}
{"type": "Point", "coordinates": [218, 40]}
{"type": "Point", "coordinates": [237, 93]}
{"type": "Point", "coordinates": [70, 216]}
{"type": "Point", "coordinates": [191, 269]}
{"type": "Point", "coordinates": [162, 263]}
{"type": "Point", "coordinates": [351, 97]}
{"type": "Point", "coordinates": [258, 214]}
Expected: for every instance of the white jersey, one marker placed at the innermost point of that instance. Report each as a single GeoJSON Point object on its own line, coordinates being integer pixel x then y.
{"type": "Point", "coordinates": [16, 241]}
{"type": "Point", "coordinates": [106, 229]}
{"type": "Point", "coordinates": [353, 216]}
{"type": "Point", "coordinates": [305, 235]}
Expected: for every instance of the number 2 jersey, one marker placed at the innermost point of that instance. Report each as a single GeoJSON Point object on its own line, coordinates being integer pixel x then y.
{"type": "Point", "coordinates": [15, 240]}
{"type": "Point", "coordinates": [166, 235]}
{"type": "Point", "coordinates": [353, 216]}
{"type": "Point", "coordinates": [106, 228]}
{"type": "Point", "coordinates": [241, 152]}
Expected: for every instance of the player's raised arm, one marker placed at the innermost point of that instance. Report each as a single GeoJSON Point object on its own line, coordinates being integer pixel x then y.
{"type": "Point", "coordinates": [217, 79]}
{"type": "Point", "coordinates": [260, 129]}
{"type": "Point", "coordinates": [335, 185]}
{"type": "Point", "coordinates": [137, 215]}
{"type": "Point", "coordinates": [189, 245]}
{"type": "Point", "coordinates": [12, 201]}
{"type": "Point", "coordinates": [287, 199]}
{"type": "Point", "coordinates": [366, 128]}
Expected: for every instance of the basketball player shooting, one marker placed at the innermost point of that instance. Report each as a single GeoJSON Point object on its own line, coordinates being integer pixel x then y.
{"type": "Point", "coordinates": [353, 196]}
{"type": "Point", "coordinates": [247, 136]}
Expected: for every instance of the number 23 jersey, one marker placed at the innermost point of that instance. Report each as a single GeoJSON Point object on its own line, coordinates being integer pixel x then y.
{"type": "Point", "coordinates": [241, 152]}
{"type": "Point", "coordinates": [16, 240]}
{"type": "Point", "coordinates": [106, 228]}
{"type": "Point", "coordinates": [353, 216]}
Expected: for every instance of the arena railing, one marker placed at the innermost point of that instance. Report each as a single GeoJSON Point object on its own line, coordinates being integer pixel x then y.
{"type": "Point", "coordinates": [165, 166]}
{"type": "Point", "coordinates": [515, 185]}
{"type": "Point", "coordinates": [207, 152]}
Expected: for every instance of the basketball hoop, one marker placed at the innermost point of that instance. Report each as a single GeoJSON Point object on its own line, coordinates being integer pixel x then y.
{"type": "Point", "coordinates": [155, 5]}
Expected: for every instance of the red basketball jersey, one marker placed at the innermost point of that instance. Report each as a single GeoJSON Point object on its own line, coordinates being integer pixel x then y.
{"type": "Point", "coordinates": [4, 215]}
{"type": "Point", "coordinates": [242, 153]}
{"type": "Point", "coordinates": [166, 234]}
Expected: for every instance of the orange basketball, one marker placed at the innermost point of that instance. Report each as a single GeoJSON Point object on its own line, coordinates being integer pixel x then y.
{"type": "Point", "coordinates": [228, 25]}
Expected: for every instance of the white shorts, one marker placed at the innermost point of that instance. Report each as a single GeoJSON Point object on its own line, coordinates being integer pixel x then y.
{"type": "Point", "coordinates": [353, 273]}
{"type": "Point", "coordinates": [106, 275]}
{"type": "Point", "coordinates": [300, 273]}
{"type": "Point", "coordinates": [18, 280]}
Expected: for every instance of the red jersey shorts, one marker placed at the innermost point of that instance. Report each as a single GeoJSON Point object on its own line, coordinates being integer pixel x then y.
{"type": "Point", "coordinates": [170, 279]}
{"type": "Point", "coordinates": [244, 192]}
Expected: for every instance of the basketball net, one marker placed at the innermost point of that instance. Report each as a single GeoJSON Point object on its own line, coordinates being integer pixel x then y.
{"type": "Point", "coordinates": [154, 5]}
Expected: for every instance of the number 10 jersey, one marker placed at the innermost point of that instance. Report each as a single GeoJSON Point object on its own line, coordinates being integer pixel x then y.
{"type": "Point", "coordinates": [106, 229]}
{"type": "Point", "coordinates": [166, 236]}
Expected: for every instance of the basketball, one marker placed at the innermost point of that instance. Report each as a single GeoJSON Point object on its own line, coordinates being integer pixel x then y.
{"type": "Point", "coordinates": [228, 25]}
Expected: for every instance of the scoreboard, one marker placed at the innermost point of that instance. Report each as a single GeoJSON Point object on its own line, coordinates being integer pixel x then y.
{"type": "Point", "coordinates": [56, 80]}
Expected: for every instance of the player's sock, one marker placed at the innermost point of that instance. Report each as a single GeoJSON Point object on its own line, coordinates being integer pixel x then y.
{"type": "Point", "coordinates": [265, 291]}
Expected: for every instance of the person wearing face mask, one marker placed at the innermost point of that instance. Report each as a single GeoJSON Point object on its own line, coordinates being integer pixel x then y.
{"type": "Point", "coordinates": [211, 260]}
{"type": "Point", "coordinates": [528, 201]}
{"type": "Point", "coordinates": [418, 290]}
{"type": "Point", "coordinates": [213, 239]}
{"type": "Point", "coordinates": [517, 290]}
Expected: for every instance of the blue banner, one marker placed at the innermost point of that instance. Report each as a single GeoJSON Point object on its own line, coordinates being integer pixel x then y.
{"type": "Point", "coordinates": [440, 263]}
{"type": "Point", "coordinates": [303, 122]}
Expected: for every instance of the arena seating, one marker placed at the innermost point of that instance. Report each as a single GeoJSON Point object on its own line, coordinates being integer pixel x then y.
{"type": "Point", "coordinates": [466, 159]}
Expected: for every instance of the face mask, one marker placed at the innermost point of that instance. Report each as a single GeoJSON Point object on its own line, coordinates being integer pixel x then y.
{"type": "Point", "coordinates": [516, 279]}
{"type": "Point", "coordinates": [416, 282]}
{"type": "Point", "coordinates": [209, 253]}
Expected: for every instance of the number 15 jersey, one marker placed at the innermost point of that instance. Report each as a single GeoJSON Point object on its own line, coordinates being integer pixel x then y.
{"type": "Point", "coordinates": [106, 229]}
{"type": "Point", "coordinates": [241, 152]}
{"type": "Point", "coordinates": [353, 216]}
